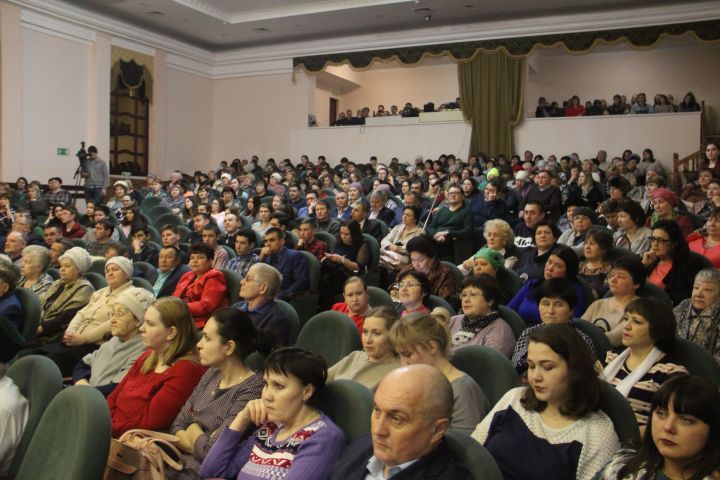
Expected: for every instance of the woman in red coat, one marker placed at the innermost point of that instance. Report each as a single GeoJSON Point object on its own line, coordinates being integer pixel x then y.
{"type": "Point", "coordinates": [161, 379]}
{"type": "Point", "coordinates": [202, 288]}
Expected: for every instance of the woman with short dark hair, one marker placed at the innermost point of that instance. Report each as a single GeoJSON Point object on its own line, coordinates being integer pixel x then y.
{"type": "Point", "coordinates": [632, 234]}
{"type": "Point", "coordinates": [682, 439]}
{"type": "Point", "coordinates": [559, 407]}
{"type": "Point", "coordinates": [645, 361]}
{"type": "Point", "coordinates": [203, 288]}
{"type": "Point", "coordinates": [596, 266]}
{"type": "Point", "coordinates": [295, 439]}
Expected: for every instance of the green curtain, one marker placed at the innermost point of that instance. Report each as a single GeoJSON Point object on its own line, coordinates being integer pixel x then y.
{"type": "Point", "coordinates": [492, 86]}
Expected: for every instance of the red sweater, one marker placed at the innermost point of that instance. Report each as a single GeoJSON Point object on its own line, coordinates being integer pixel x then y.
{"type": "Point", "coordinates": [152, 400]}
{"type": "Point", "coordinates": [342, 307]}
{"type": "Point", "coordinates": [203, 295]}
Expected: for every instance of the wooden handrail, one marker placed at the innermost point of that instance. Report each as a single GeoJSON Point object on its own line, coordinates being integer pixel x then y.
{"type": "Point", "coordinates": [690, 163]}
{"type": "Point", "coordinates": [704, 129]}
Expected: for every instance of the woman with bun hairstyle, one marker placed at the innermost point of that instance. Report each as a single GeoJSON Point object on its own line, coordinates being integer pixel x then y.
{"type": "Point", "coordinates": [228, 338]}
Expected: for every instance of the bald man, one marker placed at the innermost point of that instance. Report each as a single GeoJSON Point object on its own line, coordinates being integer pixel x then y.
{"type": "Point", "coordinates": [412, 410]}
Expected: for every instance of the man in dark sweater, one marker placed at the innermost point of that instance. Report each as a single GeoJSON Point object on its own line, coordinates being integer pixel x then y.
{"type": "Point", "coordinates": [547, 194]}
{"type": "Point", "coordinates": [412, 411]}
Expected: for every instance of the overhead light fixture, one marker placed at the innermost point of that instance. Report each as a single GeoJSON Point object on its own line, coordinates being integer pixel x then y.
{"type": "Point", "coordinates": [261, 30]}
{"type": "Point", "coordinates": [428, 18]}
{"type": "Point", "coordinates": [156, 12]}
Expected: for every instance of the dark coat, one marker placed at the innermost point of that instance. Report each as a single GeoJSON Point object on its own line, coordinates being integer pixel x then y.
{"type": "Point", "coordinates": [169, 286]}
{"type": "Point", "coordinates": [372, 228]}
{"type": "Point", "coordinates": [440, 464]}
{"type": "Point", "coordinates": [681, 277]}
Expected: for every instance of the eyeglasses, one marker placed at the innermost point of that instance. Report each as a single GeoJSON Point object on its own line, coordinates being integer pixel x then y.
{"type": "Point", "coordinates": [658, 240]}
{"type": "Point", "coordinates": [454, 192]}
{"type": "Point", "coordinates": [407, 284]}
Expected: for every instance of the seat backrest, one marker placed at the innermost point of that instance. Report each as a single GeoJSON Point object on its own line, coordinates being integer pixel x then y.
{"type": "Point", "coordinates": [513, 319]}
{"type": "Point", "coordinates": [79, 243]}
{"type": "Point", "coordinates": [509, 280]}
{"type": "Point", "coordinates": [587, 289]}
{"type": "Point", "coordinates": [697, 360]}
{"type": "Point", "coordinates": [342, 396]}
{"type": "Point", "coordinates": [142, 283]}
{"type": "Point", "coordinates": [598, 337]}
{"type": "Point", "coordinates": [154, 234]}
{"type": "Point", "coordinates": [489, 368]}
{"type": "Point", "coordinates": [291, 239]}
{"type": "Point", "coordinates": [384, 229]}
{"type": "Point", "coordinates": [379, 297]}
{"type": "Point", "coordinates": [621, 413]}
{"type": "Point", "coordinates": [72, 439]}
{"type": "Point", "coordinates": [374, 250]}
{"type": "Point", "coordinates": [313, 269]}
{"type": "Point", "coordinates": [148, 203]}
{"type": "Point", "coordinates": [293, 319]}
{"type": "Point", "coordinates": [232, 282]}
{"type": "Point", "coordinates": [31, 312]}
{"type": "Point", "coordinates": [39, 380]}
{"type": "Point", "coordinates": [332, 335]}
{"type": "Point", "coordinates": [167, 219]}
{"type": "Point", "coordinates": [327, 238]}
{"type": "Point", "coordinates": [184, 233]}
{"type": "Point", "coordinates": [54, 273]}
{"type": "Point", "coordinates": [703, 260]}
{"type": "Point", "coordinates": [158, 211]}
{"type": "Point", "coordinates": [435, 301]}
{"type": "Point", "coordinates": [650, 290]}
{"type": "Point", "coordinates": [98, 266]}
{"type": "Point", "coordinates": [231, 253]}
{"type": "Point", "coordinates": [150, 273]}
{"type": "Point", "coordinates": [456, 273]}
{"type": "Point", "coordinates": [96, 280]}
{"type": "Point", "coordinates": [473, 455]}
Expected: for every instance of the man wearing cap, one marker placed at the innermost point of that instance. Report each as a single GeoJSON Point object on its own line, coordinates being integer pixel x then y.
{"type": "Point", "coordinates": [14, 408]}
{"type": "Point", "coordinates": [583, 219]}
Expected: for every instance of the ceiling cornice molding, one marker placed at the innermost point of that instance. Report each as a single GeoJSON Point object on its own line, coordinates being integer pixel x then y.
{"type": "Point", "coordinates": [308, 8]}
{"type": "Point", "coordinates": [69, 21]}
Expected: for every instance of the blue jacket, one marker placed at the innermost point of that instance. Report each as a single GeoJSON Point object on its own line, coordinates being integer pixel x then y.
{"type": "Point", "coordinates": [526, 306]}
{"type": "Point", "coordinates": [268, 317]}
{"type": "Point", "coordinates": [12, 310]}
{"type": "Point", "coordinates": [294, 269]}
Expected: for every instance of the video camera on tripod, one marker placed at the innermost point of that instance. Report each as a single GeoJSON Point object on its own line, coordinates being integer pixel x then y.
{"type": "Point", "coordinates": [82, 155]}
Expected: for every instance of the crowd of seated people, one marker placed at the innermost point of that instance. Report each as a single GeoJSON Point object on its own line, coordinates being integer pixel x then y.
{"type": "Point", "coordinates": [463, 251]}
{"type": "Point", "coordinates": [408, 110]}
{"type": "Point", "coordinates": [638, 104]}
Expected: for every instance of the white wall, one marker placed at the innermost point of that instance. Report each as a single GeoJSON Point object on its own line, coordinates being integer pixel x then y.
{"type": "Point", "coordinates": [676, 69]}
{"type": "Point", "coordinates": [665, 134]}
{"type": "Point", "coordinates": [189, 123]}
{"type": "Point", "coordinates": [55, 106]}
{"type": "Point", "coordinates": [255, 115]}
{"type": "Point", "coordinates": [395, 86]}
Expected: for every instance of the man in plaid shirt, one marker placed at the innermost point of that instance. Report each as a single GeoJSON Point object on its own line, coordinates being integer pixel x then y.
{"type": "Point", "coordinates": [308, 242]}
{"type": "Point", "coordinates": [245, 240]}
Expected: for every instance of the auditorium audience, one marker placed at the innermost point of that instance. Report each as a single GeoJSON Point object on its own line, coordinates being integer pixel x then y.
{"type": "Point", "coordinates": [559, 407]}
{"type": "Point", "coordinates": [155, 388]}
{"type": "Point", "coordinates": [422, 338]}
{"type": "Point", "coordinates": [91, 325]}
{"type": "Point", "coordinates": [377, 358]}
{"type": "Point", "coordinates": [295, 439]}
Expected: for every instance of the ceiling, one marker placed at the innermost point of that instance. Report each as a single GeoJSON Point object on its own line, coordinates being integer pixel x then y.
{"type": "Point", "coordinates": [221, 25]}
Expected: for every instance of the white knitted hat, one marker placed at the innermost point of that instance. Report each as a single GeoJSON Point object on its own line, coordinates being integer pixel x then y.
{"type": "Point", "coordinates": [80, 257]}
{"type": "Point", "coordinates": [124, 263]}
{"type": "Point", "coordinates": [137, 300]}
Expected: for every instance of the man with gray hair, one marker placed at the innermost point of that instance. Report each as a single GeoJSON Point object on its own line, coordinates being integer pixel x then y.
{"type": "Point", "coordinates": [14, 245]}
{"type": "Point", "coordinates": [378, 210]}
{"type": "Point", "coordinates": [412, 408]}
{"type": "Point", "coordinates": [258, 290]}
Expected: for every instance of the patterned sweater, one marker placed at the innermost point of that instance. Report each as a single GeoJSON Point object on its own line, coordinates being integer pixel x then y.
{"type": "Point", "coordinates": [307, 454]}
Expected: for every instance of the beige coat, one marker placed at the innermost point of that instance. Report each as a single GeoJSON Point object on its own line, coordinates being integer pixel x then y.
{"type": "Point", "coordinates": [93, 321]}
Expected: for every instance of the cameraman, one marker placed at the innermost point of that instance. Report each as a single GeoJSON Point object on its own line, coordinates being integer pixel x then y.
{"type": "Point", "coordinates": [96, 178]}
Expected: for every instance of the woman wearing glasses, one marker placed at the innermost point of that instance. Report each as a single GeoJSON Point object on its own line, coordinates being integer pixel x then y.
{"type": "Point", "coordinates": [669, 262]}
{"type": "Point", "coordinates": [413, 292]}
{"type": "Point", "coordinates": [707, 243]}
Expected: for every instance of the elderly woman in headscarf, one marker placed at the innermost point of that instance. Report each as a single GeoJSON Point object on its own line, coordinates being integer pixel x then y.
{"type": "Point", "coordinates": [665, 205]}
{"type": "Point", "coordinates": [91, 325]}
{"type": "Point", "coordinates": [36, 260]}
{"type": "Point", "coordinates": [105, 368]}
{"type": "Point", "coordinates": [65, 296]}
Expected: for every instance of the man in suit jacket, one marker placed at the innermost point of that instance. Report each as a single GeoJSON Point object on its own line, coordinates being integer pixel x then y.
{"type": "Point", "coordinates": [413, 406]}
{"type": "Point", "coordinates": [378, 210]}
{"type": "Point", "coordinates": [170, 269]}
{"type": "Point", "coordinates": [371, 227]}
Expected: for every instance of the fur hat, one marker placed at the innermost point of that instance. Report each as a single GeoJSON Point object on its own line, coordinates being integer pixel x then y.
{"type": "Point", "coordinates": [586, 212]}
{"type": "Point", "coordinates": [137, 300]}
{"type": "Point", "coordinates": [124, 263]}
{"type": "Point", "coordinates": [79, 257]}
